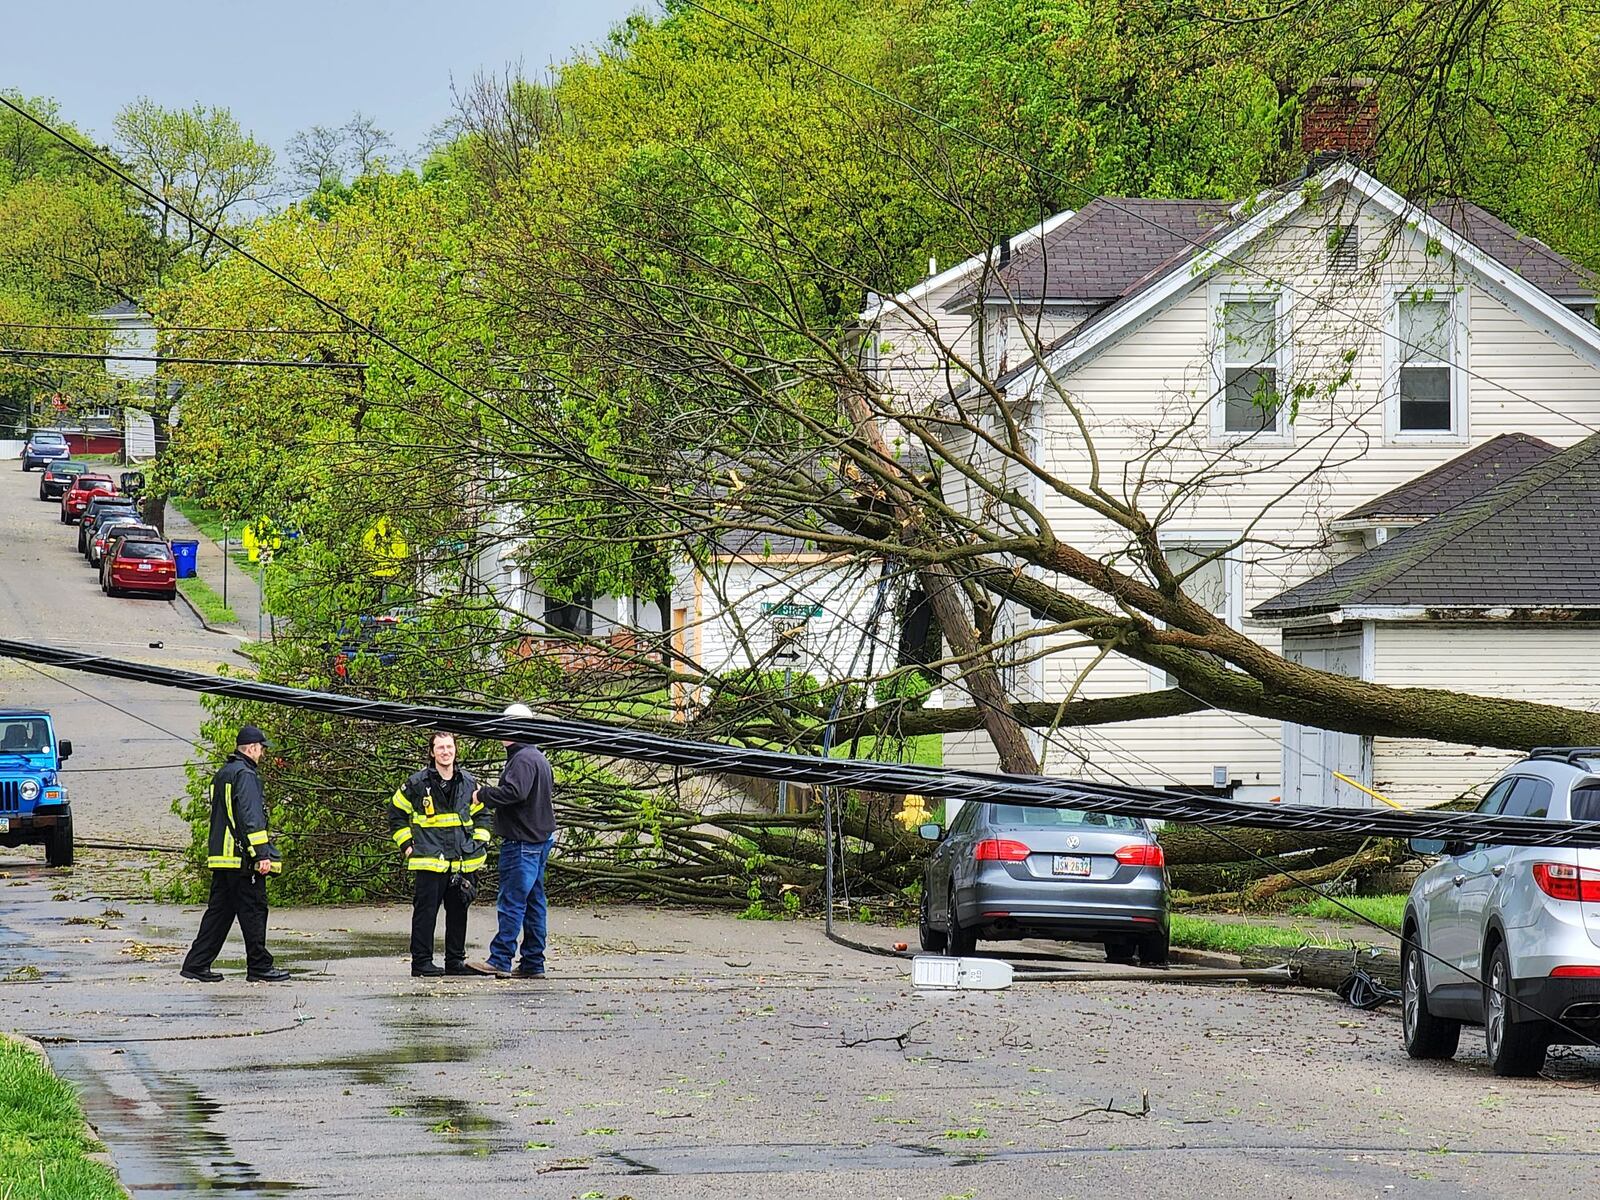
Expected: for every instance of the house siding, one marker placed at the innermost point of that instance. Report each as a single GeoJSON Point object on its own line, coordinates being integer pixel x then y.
{"type": "Point", "coordinates": [1152, 386]}
{"type": "Point", "coordinates": [1548, 664]}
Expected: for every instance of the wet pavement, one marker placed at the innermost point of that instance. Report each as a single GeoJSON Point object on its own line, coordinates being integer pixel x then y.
{"type": "Point", "coordinates": [673, 1054]}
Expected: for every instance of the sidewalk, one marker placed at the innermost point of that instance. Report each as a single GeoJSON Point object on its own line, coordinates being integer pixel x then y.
{"type": "Point", "coordinates": [242, 594]}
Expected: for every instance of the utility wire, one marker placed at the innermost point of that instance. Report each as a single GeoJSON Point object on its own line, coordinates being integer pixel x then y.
{"type": "Point", "coordinates": [177, 360]}
{"type": "Point", "coordinates": [594, 737]}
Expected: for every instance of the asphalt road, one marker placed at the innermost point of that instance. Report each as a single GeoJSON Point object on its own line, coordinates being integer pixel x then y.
{"type": "Point", "coordinates": [673, 1054]}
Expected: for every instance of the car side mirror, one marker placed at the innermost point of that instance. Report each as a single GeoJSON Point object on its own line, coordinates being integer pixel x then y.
{"type": "Point", "coordinates": [64, 749]}
{"type": "Point", "coordinates": [1436, 846]}
{"type": "Point", "coordinates": [931, 832]}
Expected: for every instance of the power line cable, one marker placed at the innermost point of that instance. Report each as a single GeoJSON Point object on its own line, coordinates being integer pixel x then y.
{"type": "Point", "coordinates": [179, 360]}
{"type": "Point", "coordinates": [594, 737]}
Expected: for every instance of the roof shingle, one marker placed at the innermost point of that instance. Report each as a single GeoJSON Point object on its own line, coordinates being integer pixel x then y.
{"type": "Point", "coordinates": [1527, 542]}
{"type": "Point", "coordinates": [1455, 482]}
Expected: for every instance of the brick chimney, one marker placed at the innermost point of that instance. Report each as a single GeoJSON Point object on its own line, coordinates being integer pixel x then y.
{"type": "Point", "coordinates": [1339, 119]}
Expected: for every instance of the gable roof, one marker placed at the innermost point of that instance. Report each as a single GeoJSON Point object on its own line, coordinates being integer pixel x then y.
{"type": "Point", "coordinates": [1528, 542]}
{"type": "Point", "coordinates": [1106, 247]}
{"type": "Point", "coordinates": [1461, 479]}
{"type": "Point", "coordinates": [1197, 259]}
{"type": "Point", "coordinates": [1523, 253]}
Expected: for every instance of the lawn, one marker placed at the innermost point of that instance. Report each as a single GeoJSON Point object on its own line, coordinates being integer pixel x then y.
{"type": "Point", "coordinates": [44, 1143]}
{"type": "Point", "coordinates": [207, 601]}
{"type": "Point", "coordinates": [1198, 933]}
{"type": "Point", "coordinates": [1388, 911]}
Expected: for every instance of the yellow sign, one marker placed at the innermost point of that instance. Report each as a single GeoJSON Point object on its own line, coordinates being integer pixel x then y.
{"type": "Point", "coordinates": [387, 546]}
{"type": "Point", "coordinates": [260, 535]}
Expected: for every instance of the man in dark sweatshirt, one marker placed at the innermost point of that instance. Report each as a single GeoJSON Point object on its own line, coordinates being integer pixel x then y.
{"type": "Point", "coordinates": [524, 817]}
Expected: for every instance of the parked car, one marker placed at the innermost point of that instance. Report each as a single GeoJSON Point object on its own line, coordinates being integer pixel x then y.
{"type": "Point", "coordinates": [80, 491]}
{"type": "Point", "coordinates": [58, 476]}
{"type": "Point", "coordinates": [142, 566]}
{"type": "Point", "coordinates": [117, 533]}
{"type": "Point", "coordinates": [1508, 937]}
{"type": "Point", "coordinates": [1005, 871]}
{"type": "Point", "coordinates": [42, 447]}
{"type": "Point", "coordinates": [106, 519]}
{"type": "Point", "coordinates": [92, 511]}
{"type": "Point", "coordinates": [34, 808]}
{"type": "Point", "coordinates": [368, 636]}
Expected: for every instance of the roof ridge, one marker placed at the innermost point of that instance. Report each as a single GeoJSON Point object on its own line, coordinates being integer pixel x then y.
{"type": "Point", "coordinates": [1437, 533]}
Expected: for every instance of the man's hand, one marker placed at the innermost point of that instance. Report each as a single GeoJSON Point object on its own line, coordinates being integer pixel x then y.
{"type": "Point", "coordinates": [407, 851]}
{"type": "Point", "coordinates": [264, 866]}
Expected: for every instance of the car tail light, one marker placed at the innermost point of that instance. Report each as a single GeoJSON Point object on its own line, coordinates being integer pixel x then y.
{"type": "Point", "coordinates": [1142, 854]}
{"type": "Point", "coordinates": [1565, 881]}
{"type": "Point", "coordinates": [1575, 972]}
{"type": "Point", "coordinates": [1000, 850]}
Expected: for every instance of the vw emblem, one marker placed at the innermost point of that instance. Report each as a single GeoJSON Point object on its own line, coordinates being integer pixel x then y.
{"type": "Point", "coordinates": [1074, 842]}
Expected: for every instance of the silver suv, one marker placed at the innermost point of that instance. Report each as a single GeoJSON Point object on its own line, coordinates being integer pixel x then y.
{"type": "Point", "coordinates": [1508, 937]}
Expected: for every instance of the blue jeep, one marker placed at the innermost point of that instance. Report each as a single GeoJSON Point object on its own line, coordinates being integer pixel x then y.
{"type": "Point", "coordinates": [33, 800]}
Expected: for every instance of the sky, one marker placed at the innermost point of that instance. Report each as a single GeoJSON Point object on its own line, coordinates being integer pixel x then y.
{"type": "Point", "coordinates": [286, 64]}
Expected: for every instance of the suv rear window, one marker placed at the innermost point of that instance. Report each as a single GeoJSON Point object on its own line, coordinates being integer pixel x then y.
{"type": "Point", "coordinates": [49, 439]}
{"type": "Point", "coordinates": [1586, 801]}
{"type": "Point", "coordinates": [144, 550]}
{"type": "Point", "coordinates": [66, 468]}
{"type": "Point", "coordinates": [1023, 816]}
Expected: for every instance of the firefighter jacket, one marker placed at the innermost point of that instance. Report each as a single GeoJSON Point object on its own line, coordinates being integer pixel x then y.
{"type": "Point", "coordinates": [239, 837]}
{"type": "Point", "coordinates": [440, 821]}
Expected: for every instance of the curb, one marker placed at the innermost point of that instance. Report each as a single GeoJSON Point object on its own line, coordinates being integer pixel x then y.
{"type": "Point", "coordinates": [216, 629]}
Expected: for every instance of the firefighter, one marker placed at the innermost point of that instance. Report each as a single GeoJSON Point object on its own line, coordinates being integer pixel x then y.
{"type": "Point", "coordinates": [241, 856]}
{"type": "Point", "coordinates": [434, 817]}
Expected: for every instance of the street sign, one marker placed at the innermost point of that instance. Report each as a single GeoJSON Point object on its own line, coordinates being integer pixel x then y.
{"type": "Point", "coordinates": [803, 611]}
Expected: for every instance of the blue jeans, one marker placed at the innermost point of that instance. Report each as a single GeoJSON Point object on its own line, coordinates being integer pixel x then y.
{"type": "Point", "coordinates": [521, 905]}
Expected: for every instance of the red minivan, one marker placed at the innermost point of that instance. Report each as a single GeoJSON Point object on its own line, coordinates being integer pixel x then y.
{"type": "Point", "coordinates": [145, 566]}
{"type": "Point", "coordinates": [76, 498]}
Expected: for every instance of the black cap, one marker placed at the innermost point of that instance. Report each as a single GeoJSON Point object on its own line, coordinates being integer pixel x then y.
{"type": "Point", "coordinates": [248, 735]}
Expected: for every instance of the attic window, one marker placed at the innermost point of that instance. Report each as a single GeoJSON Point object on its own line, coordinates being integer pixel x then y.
{"type": "Point", "coordinates": [1344, 249]}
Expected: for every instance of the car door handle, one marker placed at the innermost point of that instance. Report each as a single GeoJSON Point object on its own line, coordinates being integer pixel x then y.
{"type": "Point", "coordinates": [1459, 880]}
{"type": "Point", "coordinates": [1498, 871]}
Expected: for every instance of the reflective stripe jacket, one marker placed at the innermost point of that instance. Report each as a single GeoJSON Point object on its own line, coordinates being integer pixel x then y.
{"type": "Point", "coordinates": [440, 821]}
{"type": "Point", "coordinates": [238, 819]}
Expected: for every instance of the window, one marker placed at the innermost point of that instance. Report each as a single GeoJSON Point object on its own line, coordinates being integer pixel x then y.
{"type": "Point", "coordinates": [574, 616]}
{"type": "Point", "coordinates": [1016, 816]}
{"type": "Point", "coordinates": [1529, 798]}
{"type": "Point", "coordinates": [1426, 378]}
{"type": "Point", "coordinates": [1250, 362]}
{"type": "Point", "coordinates": [1586, 801]}
{"type": "Point", "coordinates": [1491, 804]}
{"type": "Point", "coordinates": [1211, 576]}
{"type": "Point", "coordinates": [991, 344]}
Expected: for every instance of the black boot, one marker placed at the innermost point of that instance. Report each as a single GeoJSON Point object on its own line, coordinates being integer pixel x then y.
{"type": "Point", "coordinates": [427, 969]}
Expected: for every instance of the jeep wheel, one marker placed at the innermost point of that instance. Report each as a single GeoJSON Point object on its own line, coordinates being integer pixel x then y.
{"type": "Point", "coordinates": [1516, 1046]}
{"type": "Point", "coordinates": [1424, 1035]}
{"type": "Point", "coordinates": [58, 850]}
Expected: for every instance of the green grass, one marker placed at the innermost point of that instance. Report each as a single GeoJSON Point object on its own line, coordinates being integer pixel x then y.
{"type": "Point", "coordinates": [1386, 910]}
{"type": "Point", "coordinates": [207, 601]}
{"type": "Point", "coordinates": [44, 1142]}
{"type": "Point", "coordinates": [1198, 933]}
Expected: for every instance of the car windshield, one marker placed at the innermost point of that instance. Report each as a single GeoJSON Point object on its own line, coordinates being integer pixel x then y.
{"type": "Point", "coordinates": [66, 468]}
{"type": "Point", "coordinates": [24, 735]}
{"type": "Point", "coordinates": [144, 550]}
{"type": "Point", "coordinates": [1007, 816]}
{"type": "Point", "coordinates": [49, 439]}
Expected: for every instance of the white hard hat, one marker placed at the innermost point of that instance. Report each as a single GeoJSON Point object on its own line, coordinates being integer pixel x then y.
{"type": "Point", "coordinates": [518, 710]}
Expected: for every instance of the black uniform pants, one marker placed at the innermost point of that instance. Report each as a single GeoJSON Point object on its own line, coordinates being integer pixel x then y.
{"type": "Point", "coordinates": [235, 895]}
{"type": "Point", "coordinates": [435, 888]}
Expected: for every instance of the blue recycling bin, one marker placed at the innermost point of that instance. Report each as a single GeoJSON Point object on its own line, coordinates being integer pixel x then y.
{"type": "Point", "coordinates": [185, 554]}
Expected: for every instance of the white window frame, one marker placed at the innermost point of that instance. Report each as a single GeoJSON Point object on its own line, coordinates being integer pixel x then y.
{"type": "Point", "coordinates": [1459, 432]}
{"type": "Point", "coordinates": [1232, 578]}
{"type": "Point", "coordinates": [1217, 297]}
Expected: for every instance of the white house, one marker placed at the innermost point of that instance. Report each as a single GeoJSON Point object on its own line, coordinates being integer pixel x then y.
{"type": "Point", "coordinates": [1157, 332]}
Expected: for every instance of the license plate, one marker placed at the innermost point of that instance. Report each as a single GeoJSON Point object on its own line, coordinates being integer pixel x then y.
{"type": "Point", "coordinates": [144, 566]}
{"type": "Point", "coordinates": [5, 824]}
{"type": "Point", "coordinates": [1071, 864]}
